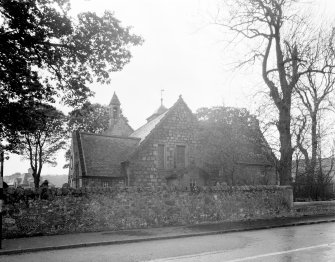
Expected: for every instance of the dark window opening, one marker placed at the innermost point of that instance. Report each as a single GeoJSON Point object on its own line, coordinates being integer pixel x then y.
{"type": "Point", "coordinates": [161, 157]}
{"type": "Point", "coordinates": [180, 156]}
{"type": "Point", "coordinates": [114, 112]}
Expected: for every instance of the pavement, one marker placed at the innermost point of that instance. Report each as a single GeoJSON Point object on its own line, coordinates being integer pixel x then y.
{"type": "Point", "coordinates": [57, 242]}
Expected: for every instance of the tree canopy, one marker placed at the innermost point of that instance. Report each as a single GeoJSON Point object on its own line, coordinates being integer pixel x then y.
{"type": "Point", "coordinates": [43, 136]}
{"type": "Point", "coordinates": [91, 118]}
{"type": "Point", "coordinates": [228, 136]}
{"type": "Point", "coordinates": [45, 54]}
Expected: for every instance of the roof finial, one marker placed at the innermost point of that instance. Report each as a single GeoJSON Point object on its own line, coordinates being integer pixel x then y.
{"type": "Point", "coordinates": [162, 90]}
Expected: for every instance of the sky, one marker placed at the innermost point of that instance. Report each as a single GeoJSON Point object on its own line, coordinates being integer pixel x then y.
{"type": "Point", "coordinates": [183, 54]}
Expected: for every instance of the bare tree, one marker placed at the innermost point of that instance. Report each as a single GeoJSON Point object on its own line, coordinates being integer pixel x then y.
{"type": "Point", "coordinates": [277, 31]}
{"type": "Point", "coordinates": [315, 90]}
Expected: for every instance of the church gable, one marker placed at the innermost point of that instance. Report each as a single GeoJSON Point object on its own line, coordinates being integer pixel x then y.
{"type": "Point", "coordinates": [178, 116]}
{"type": "Point", "coordinates": [167, 144]}
{"type": "Point", "coordinates": [174, 138]}
{"type": "Point", "coordinates": [120, 128]}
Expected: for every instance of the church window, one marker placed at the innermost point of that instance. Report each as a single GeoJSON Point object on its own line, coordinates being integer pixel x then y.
{"type": "Point", "coordinates": [180, 156]}
{"type": "Point", "coordinates": [161, 157]}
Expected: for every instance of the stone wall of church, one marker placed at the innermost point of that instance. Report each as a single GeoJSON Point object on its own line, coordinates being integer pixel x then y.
{"type": "Point", "coordinates": [120, 128]}
{"type": "Point", "coordinates": [177, 129]}
{"type": "Point", "coordinates": [89, 182]}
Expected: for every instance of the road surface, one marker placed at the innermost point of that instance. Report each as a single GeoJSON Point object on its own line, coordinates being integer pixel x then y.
{"type": "Point", "coordinates": [300, 243]}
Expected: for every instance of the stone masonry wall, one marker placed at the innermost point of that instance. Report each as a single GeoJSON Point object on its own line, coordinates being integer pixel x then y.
{"type": "Point", "coordinates": [59, 211]}
{"type": "Point", "coordinates": [178, 129]}
{"type": "Point", "coordinates": [120, 128]}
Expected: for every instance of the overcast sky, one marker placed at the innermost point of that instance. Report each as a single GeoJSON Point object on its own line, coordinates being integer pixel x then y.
{"type": "Point", "coordinates": [182, 54]}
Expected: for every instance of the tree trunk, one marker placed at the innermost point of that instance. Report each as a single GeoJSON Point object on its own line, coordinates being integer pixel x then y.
{"type": "Point", "coordinates": [314, 145]}
{"type": "Point", "coordinates": [285, 162]}
{"type": "Point", "coordinates": [36, 180]}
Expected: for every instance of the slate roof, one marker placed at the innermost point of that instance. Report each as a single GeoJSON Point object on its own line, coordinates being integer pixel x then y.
{"type": "Point", "coordinates": [103, 155]}
{"type": "Point", "coordinates": [145, 130]}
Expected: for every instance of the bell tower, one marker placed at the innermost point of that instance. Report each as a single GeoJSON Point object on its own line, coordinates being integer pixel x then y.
{"type": "Point", "coordinates": [114, 110]}
{"type": "Point", "coordinates": [118, 124]}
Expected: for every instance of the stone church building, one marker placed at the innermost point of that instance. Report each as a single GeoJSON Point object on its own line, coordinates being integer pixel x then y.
{"type": "Point", "coordinates": [161, 152]}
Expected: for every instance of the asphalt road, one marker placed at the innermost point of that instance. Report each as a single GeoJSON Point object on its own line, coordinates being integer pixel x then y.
{"type": "Point", "coordinates": [300, 243]}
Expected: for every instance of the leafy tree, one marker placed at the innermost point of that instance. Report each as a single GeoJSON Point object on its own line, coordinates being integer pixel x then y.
{"type": "Point", "coordinates": [45, 53]}
{"type": "Point", "coordinates": [228, 136]}
{"type": "Point", "coordinates": [91, 118]}
{"type": "Point", "coordinates": [43, 136]}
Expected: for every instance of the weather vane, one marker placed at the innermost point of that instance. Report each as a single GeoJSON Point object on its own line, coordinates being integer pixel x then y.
{"type": "Point", "coordinates": [162, 90]}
